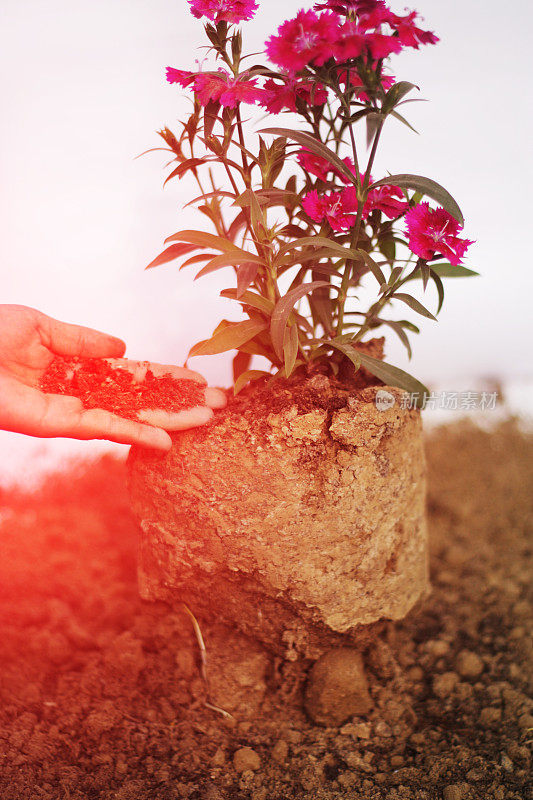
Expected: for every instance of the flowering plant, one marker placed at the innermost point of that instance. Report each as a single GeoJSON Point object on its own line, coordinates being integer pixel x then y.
{"type": "Point", "coordinates": [298, 211]}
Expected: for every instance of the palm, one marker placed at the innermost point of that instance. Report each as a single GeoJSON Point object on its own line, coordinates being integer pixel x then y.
{"type": "Point", "coordinates": [29, 341]}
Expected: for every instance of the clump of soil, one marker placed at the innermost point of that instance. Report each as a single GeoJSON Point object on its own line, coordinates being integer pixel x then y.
{"type": "Point", "coordinates": [101, 696]}
{"type": "Point", "coordinates": [98, 384]}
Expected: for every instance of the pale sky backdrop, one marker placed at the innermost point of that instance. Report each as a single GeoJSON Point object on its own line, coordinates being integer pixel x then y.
{"type": "Point", "coordinates": [82, 92]}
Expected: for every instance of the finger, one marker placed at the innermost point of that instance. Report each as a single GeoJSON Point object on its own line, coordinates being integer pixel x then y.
{"type": "Point", "coordinates": [177, 420]}
{"type": "Point", "coordinates": [26, 410]}
{"type": "Point", "coordinates": [65, 339]}
{"type": "Point", "coordinates": [99, 424]}
{"type": "Point", "coordinates": [140, 368]}
{"type": "Point", "coordinates": [66, 417]}
{"type": "Point", "coordinates": [215, 398]}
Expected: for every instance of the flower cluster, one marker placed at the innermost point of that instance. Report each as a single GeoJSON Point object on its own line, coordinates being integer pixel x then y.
{"type": "Point", "coordinates": [342, 32]}
{"type": "Point", "coordinates": [331, 71]}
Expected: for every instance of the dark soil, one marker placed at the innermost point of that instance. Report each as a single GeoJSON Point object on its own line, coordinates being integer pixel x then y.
{"type": "Point", "coordinates": [101, 694]}
{"type": "Point", "coordinates": [99, 385]}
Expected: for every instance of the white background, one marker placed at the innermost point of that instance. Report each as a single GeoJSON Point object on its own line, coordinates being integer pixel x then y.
{"type": "Point", "coordinates": [82, 91]}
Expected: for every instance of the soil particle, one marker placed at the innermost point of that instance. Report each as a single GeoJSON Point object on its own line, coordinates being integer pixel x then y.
{"type": "Point", "coordinates": [129, 721]}
{"type": "Point", "coordinates": [245, 758]}
{"type": "Point", "coordinates": [98, 384]}
{"type": "Point", "coordinates": [337, 688]}
{"type": "Point", "coordinates": [468, 665]}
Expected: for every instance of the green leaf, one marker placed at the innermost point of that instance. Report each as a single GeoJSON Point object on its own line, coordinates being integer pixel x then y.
{"type": "Point", "coordinates": [172, 252]}
{"type": "Point", "coordinates": [282, 311]}
{"type": "Point", "coordinates": [246, 377]}
{"type": "Point", "coordinates": [400, 118]}
{"type": "Point", "coordinates": [428, 187]}
{"type": "Point", "coordinates": [373, 122]}
{"type": "Point", "coordinates": [413, 303]}
{"type": "Point", "coordinates": [290, 349]}
{"type": "Point", "coordinates": [394, 376]}
{"type": "Point", "coordinates": [447, 270]}
{"type": "Point", "coordinates": [329, 246]}
{"type": "Point", "coordinates": [350, 352]}
{"type": "Point", "coordinates": [395, 94]}
{"type": "Point", "coordinates": [229, 338]}
{"type": "Point", "coordinates": [316, 147]}
{"type": "Point", "coordinates": [373, 267]}
{"type": "Point", "coordinates": [440, 288]}
{"type": "Point", "coordinates": [399, 331]}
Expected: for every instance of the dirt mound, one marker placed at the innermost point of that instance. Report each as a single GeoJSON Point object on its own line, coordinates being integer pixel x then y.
{"type": "Point", "coordinates": [102, 697]}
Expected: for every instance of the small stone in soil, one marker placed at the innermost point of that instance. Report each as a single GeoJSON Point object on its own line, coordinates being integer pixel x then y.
{"type": "Point", "coordinates": [98, 384]}
{"type": "Point", "coordinates": [245, 758]}
{"type": "Point", "coordinates": [337, 688]}
{"type": "Point", "coordinates": [468, 664]}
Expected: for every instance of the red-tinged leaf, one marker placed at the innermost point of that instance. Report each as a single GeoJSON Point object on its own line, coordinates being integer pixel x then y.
{"type": "Point", "coordinates": [246, 377]}
{"type": "Point", "coordinates": [153, 150]}
{"type": "Point", "coordinates": [171, 253]}
{"type": "Point", "coordinates": [240, 364]}
{"type": "Point", "coordinates": [197, 259]}
{"type": "Point", "coordinates": [185, 166]}
{"type": "Point", "coordinates": [211, 111]}
{"type": "Point", "coordinates": [209, 196]}
{"type": "Point", "coordinates": [230, 260]}
{"type": "Point", "coordinates": [230, 338]}
{"type": "Point", "coordinates": [290, 349]}
{"type": "Point", "coordinates": [248, 298]}
{"type": "Point", "coordinates": [246, 274]}
{"type": "Point", "coordinates": [282, 311]}
{"type": "Point", "coordinates": [238, 224]}
{"type": "Point", "coordinates": [202, 239]}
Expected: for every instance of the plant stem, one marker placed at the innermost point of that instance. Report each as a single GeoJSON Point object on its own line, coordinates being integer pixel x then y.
{"type": "Point", "coordinates": [361, 200]}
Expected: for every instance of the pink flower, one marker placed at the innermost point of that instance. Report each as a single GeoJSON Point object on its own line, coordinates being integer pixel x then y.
{"type": "Point", "coordinates": [432, 231]}
{"type": "Point", "coordinates": [220, 86]}
{"type": "Point", "coordinates": [224, 10]}
{"type": "Point", "coordinates": [381, 46]}
{"type": "Point", "coordinates": [409, 34]}
{"type": "Point", "coordinates": [347, 6]}
{"type": "Point", "coordinates": [350, 42]}
{"type": "Point", "coordinates": [388, 199]}
{"type": "Point", "coordinates": [283, 97]}
{"type": "Point", "coordinates": [337, 208]}
{"type": "Point", "coordinates": [318, 166]}
{"type": "Point", "coordinates": [181, 76]}
{"type": "Point", "coordinates": [308, 38]}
